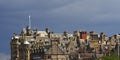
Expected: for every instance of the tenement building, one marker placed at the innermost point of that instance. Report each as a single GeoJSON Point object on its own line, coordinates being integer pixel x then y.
{"type": "Point", "coordinates": [47, 45]}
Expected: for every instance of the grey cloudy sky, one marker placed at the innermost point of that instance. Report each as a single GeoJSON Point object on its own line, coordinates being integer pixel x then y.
{"type": "Point", "coordinates": [58, 15]}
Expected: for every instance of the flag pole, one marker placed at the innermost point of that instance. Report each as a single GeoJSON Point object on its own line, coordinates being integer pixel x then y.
{"type": "Point", "coordinates": [29, 21]}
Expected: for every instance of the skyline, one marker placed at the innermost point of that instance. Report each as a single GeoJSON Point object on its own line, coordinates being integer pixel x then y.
{"type": "Point", "coordinates": [58, 16]}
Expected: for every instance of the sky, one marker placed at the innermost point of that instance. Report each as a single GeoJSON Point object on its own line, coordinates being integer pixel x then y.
{"type": "Point", "coordinates": [58, 16]}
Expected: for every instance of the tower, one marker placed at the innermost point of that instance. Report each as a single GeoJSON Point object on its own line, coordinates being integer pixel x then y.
{"type": "Point", "coordinates": [28, 31]}
{"type": "Point", "coordinates": [102, 36]}
{"type": "Point", "coordinates": [15, 47]}
{"type": "Point", "coordinates": [24, 51]}
{"type": "Point", "coordinates": [47, 30]}
{"type": "Point", "coordinates": [76, 33]}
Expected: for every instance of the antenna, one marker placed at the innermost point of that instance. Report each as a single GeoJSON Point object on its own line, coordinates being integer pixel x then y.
{"type": "Point", "coordinates": [29, 22]}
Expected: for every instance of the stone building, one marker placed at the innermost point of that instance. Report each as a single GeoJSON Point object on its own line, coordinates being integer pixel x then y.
{"type": "Point", "coordinates": [39, 45]}
{"type": "Point", "coordinates": [46, 45]}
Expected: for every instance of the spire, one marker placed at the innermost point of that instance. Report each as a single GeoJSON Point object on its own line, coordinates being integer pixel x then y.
{"type": "Point", "coordinates": [29, 21]}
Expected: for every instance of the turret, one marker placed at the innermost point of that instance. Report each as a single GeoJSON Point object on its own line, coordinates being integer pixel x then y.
{"type": "Point", "coordinates": [102, 36]}
{"type": "Point", "coordinates": [76, 33]}
{"type": "Point", "coordinates": [47, 30]}
{"type": "Point", "coordinates": [25, 50]}
{"type": "Point", "coordinates": [28, 29]}
{"type": "Point", "coordinates": [92, 32]}
{"type": "Point", "coordinates": [15, 47]}
{"type": "Point", "coordinates": [65, 33]}
{"type": "Point", "coordinates": [23, 32]}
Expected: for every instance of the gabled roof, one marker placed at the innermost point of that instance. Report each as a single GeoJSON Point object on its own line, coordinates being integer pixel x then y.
{"type": "Point", "coordinates": [54, 49]}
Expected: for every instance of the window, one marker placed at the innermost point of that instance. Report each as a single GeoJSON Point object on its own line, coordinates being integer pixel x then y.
{"type": "Point", "coordinates": [49, 56]}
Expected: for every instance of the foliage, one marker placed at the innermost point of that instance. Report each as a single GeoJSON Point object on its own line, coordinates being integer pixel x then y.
{"type": "Point", "coordinates": [113, 56]}
{"type": "Point", "coordinates": [109, 58]}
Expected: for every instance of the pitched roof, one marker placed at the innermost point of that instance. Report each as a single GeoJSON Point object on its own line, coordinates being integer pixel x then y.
{"type": "Point", "coordinates": [54, 49]}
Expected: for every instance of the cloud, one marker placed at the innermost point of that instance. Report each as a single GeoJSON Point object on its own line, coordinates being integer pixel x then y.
{"type": "Point", "coordinates": [53, 13]}
{"type": "Point", "coordinates": [91, 10]}
{"type": "Point", "coordinates": [78, 10]}
{"type": "Point", "coordinates": [4, 56]}
{"type": "Point", "coordinates": [21, 5]}
{"type": "Point", "coordinates": [56, 12]}
{"type": "Point", "coordinates": [58, 15]}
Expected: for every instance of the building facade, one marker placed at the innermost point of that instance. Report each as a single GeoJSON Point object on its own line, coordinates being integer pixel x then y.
{"type": "Point", "coordinates": [47, 45]}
